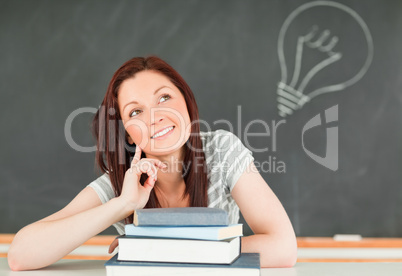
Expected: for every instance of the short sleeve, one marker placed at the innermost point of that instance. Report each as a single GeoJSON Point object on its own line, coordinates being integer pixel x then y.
{"type": "Point", "coordinates": [235, 157]}
{"type": "Point", "coordinates": [103, 187]}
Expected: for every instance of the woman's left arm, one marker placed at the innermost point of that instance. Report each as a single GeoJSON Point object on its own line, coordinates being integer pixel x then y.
{"type": "Point", "coordinates": [274, 237]}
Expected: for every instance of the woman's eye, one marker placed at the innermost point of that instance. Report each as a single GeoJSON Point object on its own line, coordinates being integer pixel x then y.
{"type": "Point", "coordinates": [166, 97]}
{"type": "Point", "coordinates": [134, 112]}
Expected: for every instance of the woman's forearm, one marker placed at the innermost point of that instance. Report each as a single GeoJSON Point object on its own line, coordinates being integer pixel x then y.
{"type": "Point", "coordinates": [275, 251]}
{"type": "Point", "coordinates": [43, 243]}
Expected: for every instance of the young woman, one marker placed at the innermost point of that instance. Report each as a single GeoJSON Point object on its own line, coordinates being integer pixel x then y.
{"type": "Point", "coordinates": [153, 154]}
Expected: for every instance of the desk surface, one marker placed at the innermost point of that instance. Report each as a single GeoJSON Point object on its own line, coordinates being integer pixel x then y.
{"type": "Point", "coordinates": [95, 267]}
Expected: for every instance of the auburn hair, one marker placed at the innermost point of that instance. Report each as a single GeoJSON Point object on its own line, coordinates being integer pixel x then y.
{"type": "Point", "coordinates": [114, 154]}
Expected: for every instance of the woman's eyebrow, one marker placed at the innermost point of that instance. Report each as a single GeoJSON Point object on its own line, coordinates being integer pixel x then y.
{"type": "Point", "coordinates": [135, 102]}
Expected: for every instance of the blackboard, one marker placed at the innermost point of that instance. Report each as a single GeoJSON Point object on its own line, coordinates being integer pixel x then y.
{"type": "Point", "coordinates": [58, 56]}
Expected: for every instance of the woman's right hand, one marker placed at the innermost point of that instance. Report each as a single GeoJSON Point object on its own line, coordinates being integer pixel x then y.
{"type": "Point", "coordinates": [133, 193]}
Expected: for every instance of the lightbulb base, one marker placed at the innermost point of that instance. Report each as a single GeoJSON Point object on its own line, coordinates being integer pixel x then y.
{"type": "Point", "coordinates": [289, 99]}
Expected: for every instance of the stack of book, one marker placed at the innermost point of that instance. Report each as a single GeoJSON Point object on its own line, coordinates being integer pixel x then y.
{"type": "Point", "coordinates": [170, 241]}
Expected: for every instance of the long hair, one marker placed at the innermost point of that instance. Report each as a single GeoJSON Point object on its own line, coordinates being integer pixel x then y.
{"type": "Point", "coordinates": [113, 153]}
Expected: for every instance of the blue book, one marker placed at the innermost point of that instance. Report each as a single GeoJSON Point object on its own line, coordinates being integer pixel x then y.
{"type": "Point", "coordinates": [215, 233]}
{"type": "Point", "coordinates": [186, 216]}
{"type": "Point", "coordinates": [248, 264]}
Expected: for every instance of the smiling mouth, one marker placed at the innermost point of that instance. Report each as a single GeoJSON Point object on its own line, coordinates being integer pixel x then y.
{"type": "Point", "coordinates": [163, 132]}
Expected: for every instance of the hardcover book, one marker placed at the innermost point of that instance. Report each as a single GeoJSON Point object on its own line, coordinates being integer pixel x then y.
{"type": "Point", "coordinates": [186, 232]}
{"type": "Point", "coordinates": [186, 216]}
{"type": "Point", "coordinates": [248, 264]}
{"type": "Point", "coordinates": [178, 250]}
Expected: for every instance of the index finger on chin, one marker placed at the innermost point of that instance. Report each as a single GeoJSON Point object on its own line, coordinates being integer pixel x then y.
{"type": "Point", "coordinates": [137, 155]}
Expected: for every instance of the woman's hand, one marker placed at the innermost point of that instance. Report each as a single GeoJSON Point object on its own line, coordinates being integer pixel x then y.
{"type": "Point", "coordinates": [113, 245]}
{"type": "Point", "coordinates": [133, 193]}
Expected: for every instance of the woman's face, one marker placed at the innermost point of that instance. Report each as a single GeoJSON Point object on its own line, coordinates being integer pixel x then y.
{"type": "Point", "coordinates": [149, 103]}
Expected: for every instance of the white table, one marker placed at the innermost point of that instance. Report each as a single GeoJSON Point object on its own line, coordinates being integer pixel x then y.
{"type": "Point", "coordinates": [89, 267]}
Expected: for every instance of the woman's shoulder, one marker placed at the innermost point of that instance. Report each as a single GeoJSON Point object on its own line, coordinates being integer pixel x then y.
{"type": "Point", "coordinates": [217, 139]}
{"type": "Point", "coordinates": [103, 187]}
{"type": "Point", "coordinates": [103, 180]}
{"type": "Point", "coordinates": [223, 146]}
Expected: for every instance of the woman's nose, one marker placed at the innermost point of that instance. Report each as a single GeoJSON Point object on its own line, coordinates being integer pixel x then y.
{"type": "Point", "coordinates": [156, 117]}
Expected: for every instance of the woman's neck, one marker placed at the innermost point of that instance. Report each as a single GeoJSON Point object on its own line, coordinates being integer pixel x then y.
{"type": "Point", "coordinates": [170, 185]}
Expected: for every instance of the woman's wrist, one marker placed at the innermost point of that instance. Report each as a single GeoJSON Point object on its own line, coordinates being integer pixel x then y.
{"type": "Point", "coordinates": [127, 206]}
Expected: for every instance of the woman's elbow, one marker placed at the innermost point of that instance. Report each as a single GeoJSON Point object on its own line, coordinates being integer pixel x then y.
{"type": "Point", "coordinates": [14, 262]}
{"type": "Point", "coordinates": [286, 261]}
{"type": "Point", "coordinates": [285, 255]}
{"type": "Point", "coordinates": [290, 260]}
{"type": "Point", "coordinates": [17, 261]}
{"type": "Point", "coordinates": [17, 257]}
{"type": "Point", "coordinates": [289, 255]}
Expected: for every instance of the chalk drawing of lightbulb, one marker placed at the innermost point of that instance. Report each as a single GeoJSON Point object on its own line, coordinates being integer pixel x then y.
{"type": "Point", "coordinates": [328, 46]}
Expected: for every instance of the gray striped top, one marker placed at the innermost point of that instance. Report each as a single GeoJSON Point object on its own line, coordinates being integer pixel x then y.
{"type": "Point", "coordinates": [226, 158]}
